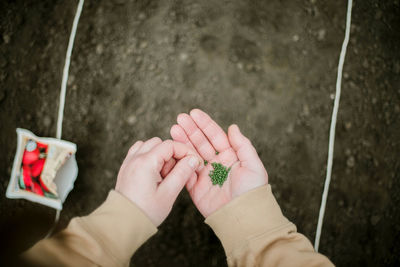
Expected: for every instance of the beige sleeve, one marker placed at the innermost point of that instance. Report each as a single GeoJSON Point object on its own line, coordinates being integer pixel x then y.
{"type": "Point", "coordinates": [254, 232]}
{"type": "Point", "coordinates": [107, 237]}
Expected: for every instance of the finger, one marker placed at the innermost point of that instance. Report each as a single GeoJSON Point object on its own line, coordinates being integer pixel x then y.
{"type": "Point", "coordinates": [214, 133]}
{"type": "Point", "coordinates": [167, 167]}
{"type": "Point", "coordinates": [179, 135]}
{"type": "Point", "coordinates": [168, 149]}
{"type": "Point", "coordinates": [245, 151]}
{"type": "Point", "coordinates": [149, 145]}
{"type": "Point", "coordinates": [135, 148]}
{"type": "Point", "coordinates": [191, 182]}
{"type": "Point", "coordinates": [196, 136]}
{"type": "Point", "coordinates": [173, 183]}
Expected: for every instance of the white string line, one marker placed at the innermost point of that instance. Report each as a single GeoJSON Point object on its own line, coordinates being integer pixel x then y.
{"type": "Point", "coordinates": [54, 224]}
{"type": "Point", "coordinates": [66, 69]}
{"type": "Point", "coordinates": [333, 126]}
{"type": "Point", "coordinates": [64, 90]}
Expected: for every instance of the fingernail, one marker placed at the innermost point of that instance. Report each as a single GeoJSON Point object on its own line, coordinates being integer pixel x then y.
{"type": "Point", "coordinates": [193, 162]}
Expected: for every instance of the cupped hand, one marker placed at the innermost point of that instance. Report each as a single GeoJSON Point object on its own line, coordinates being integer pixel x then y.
{"type": "Point", "coordinates": [154, 172]}
{"type": "Point", "coordinates": [233, 150]}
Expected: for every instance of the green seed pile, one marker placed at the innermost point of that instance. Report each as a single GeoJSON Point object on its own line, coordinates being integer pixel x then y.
{"type": "Point", "coordinates": [219, 174]}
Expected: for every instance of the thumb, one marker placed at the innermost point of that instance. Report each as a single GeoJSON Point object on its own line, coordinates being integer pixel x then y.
{"type": "Point", "coordinates": [173, 183]}
{"type": "Point", "coordinates": [245, 151]}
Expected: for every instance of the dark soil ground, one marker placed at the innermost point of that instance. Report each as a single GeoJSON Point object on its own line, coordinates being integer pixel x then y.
{"type": "Point", "coordinates": [269, 66]}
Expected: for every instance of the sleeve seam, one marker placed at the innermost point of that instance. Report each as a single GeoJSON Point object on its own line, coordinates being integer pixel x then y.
{"type": "Point", "coordinates": [255, 237]}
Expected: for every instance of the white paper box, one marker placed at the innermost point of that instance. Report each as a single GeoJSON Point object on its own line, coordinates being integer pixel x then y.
{"type": "Point", "coordinates": [64, 179]}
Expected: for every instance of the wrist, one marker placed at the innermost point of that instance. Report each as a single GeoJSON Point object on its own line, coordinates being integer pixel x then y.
{"type": "Point", "coordinates": [145, 207]}
{"type": "Point", "coordinates": [115, 222]}
{"type": "Point", "coordinates": [251, 214]}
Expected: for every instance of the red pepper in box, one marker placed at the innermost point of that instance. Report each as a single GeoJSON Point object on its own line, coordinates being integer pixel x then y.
{"type": "Point", "coordinates": [27, 177]}
{"type": "Point", "coordinates": [30, 156]}
{"type": "Point", "coordinates": [37, 167]}
{"type": "Point", "coordinates": [37, 189]}
{"type": "Point", "coordinates": [33, 160]}
{"type": "Point", "coordinates": [39, 173]}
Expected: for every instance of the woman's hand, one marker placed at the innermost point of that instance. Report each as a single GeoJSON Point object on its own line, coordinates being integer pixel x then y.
{"type": "Point", "coordinates": [154, 172]}
{"type": "Point", "coordinates": [233, 150]}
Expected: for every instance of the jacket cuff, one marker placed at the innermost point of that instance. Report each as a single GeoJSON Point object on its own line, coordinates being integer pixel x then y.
{"type": "Point", "coordinates": [119, 226]}
{"type": "Point", "coordinates": [246, 217]}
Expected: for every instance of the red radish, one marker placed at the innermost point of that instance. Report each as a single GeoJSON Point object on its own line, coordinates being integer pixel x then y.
{"type": "Point", "coordinates": [32, 166]}
{"type": "Point", "coordinates": [30, 157]}
{"type": "Point", "coordinates": [37, 190]}
{"type": "Point", "coordinates": [37, 167]}
{"type": "Point", "coordinates": [26, 174]}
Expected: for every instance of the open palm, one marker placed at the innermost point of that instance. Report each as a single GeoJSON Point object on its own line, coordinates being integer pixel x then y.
{"type": "Point", "coordinates": [214, 145]}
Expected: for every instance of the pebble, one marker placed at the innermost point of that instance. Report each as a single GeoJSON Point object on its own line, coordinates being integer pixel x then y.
{"type": "Point", "coordinates": [108, 173]}
{"type": "Point", "coordinates": [375, 219]}
{"type": "Point", "coordinates": [143, 44]}
{"type": "Point", "coordinates": [350, 162]}
{"type": "Point", "coordinates": [295, 38]}
{"type": "Point", "coordinates": [306, 110]}
{"type": "Point", "coordinates": [321, 34]}
{"type": "Point", "coordinates": [347, 125]}
{"type": "Point", "coordinates": [131, 119]}
{"type": "Point", "coordinates": [353, 28]}
{"type": "Point", "coordinates": [46, 121]}
{"type": "Point", "coordinates": [84, 109]}
{"type": "Point", "coordinates": [376, 162]}
{"type": "Point", "coordinates": [6, 38]}
{"type": "Point", "coordinates": [165, 78]}
{"type": "Point", "coordinates": [249, 67]}
{"type": "Point", "coordinates": [290, 128]}
{"type": "Point", "coordinates": [378, 14]}
{"type": "Point", "coordinates": [142, 16]}
{"type": "Point", "coordinates": [365, 63]}
{"type": "Point", "coordinates": [2, 76]}
{"type": "Point", "coordinates": [183, 56]}
{"type": "Point", "coordinates": [138, 59]}
{"type": "Point", "coordinates": [99, 49]}
{"type": "Point", "coordinates": [71, 80]}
